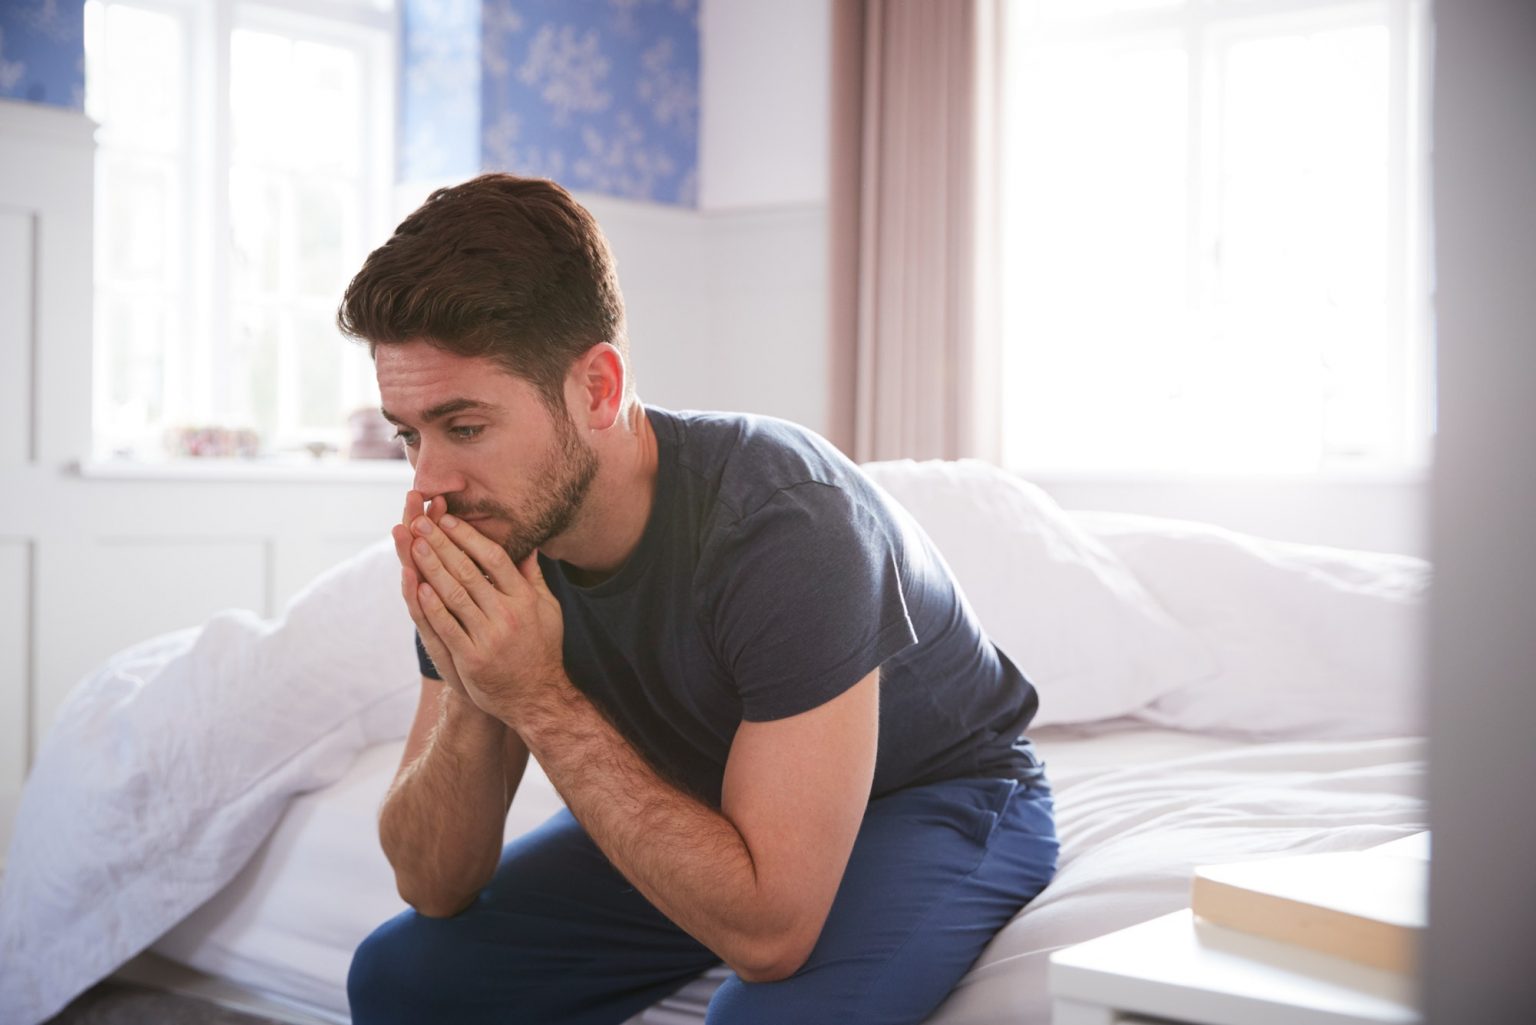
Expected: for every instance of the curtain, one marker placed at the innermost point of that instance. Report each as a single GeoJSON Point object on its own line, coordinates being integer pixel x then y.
{"type": "Point", "coordinates": [911, 228]}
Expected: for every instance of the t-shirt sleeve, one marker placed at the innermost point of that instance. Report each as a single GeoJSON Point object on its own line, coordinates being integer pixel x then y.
{"type": "Point", "coordinates": [425, 661]}
{"type": "Point", "coordinates": [809, 599]}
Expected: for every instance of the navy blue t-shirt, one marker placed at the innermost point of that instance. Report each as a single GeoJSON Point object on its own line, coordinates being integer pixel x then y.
{"type": "Point", "coordinates": [771, 577]}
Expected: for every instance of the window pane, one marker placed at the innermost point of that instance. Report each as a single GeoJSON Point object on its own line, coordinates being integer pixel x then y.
{"type": "Point", "coordinates": [323, 216]}
{"type": "Point", "coordinates": [136, 219]}
{"type": "Point", "coordinates": [320, 349]}
{"type": "Point", "coordinates": [327, 123]}
{"type": "Point", "coordinates": [133, 332]}
{"type": "Point", "coordinates": [297, 205]}
{"type": "Point", "coordinates": [255, 219]}
{"type": "Point", "coordinates": [254, 372]}
{"type": "Point", "coordinates": [1302, 276]}
{"type": "Point", "coordinates": [262, 100]}
{"type": "Point", "coordinates": [1227, 294]}
{"type": "Point", "coordinates": [134, 84]}
{"type": "Point", "coordinates": [1094, 253]}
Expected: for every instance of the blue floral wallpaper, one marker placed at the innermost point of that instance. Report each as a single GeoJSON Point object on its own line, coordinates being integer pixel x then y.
{"type": "Point", "coordinates": [601, 95]}
{"type": "Point", "coordinates": [42, 51]}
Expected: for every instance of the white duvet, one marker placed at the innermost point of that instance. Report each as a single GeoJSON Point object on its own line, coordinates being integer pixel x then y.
{"type": "Point", "coordinates": [169, 766]}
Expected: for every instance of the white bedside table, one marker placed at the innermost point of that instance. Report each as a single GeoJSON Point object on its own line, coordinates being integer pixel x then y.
{"type": "Point", "coordinates": [1177, 969]}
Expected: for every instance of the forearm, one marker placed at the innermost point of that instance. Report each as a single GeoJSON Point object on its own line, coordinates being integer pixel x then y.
{"type": "Point", "coordinates": [685, 857]}
{"type": "Point", "coordinates": [441, 822]}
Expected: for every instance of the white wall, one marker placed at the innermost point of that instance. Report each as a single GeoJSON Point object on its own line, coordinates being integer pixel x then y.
{"type": "Point", "coordinates": [764, 117]}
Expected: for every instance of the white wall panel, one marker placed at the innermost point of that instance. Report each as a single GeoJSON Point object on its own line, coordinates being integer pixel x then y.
{"type": "Point", "coordinates": [767, 288]}
{"type": "Point", "coordinates": [46, 175]}
{"type": "Point", "coordinates": [15, 621]}
{"type": "Point", "coordinates": [98, 597]}
{"type": "Point", "coordinates": [16, 333]}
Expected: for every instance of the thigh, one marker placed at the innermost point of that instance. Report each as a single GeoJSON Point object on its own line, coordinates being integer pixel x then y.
{"type": "Point", "coordinates": [558, 935]}
{"type": "Point", "coordinates": [935, 873]}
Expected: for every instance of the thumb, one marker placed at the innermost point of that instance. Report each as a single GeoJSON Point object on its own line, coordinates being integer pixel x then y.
{"type": "Point", "coordinates": [531, 572]}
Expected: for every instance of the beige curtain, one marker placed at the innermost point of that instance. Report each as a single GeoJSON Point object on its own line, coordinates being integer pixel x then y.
{"type": "Point", "coordinates": [911, 220]}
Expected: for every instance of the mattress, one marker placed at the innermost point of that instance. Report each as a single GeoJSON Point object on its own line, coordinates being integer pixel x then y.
{"type": "Point", "coordinates": [1137, 806]}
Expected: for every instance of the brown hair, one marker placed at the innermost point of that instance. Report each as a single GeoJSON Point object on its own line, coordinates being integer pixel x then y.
{"type": "Point", "coordinates": [509, 268]}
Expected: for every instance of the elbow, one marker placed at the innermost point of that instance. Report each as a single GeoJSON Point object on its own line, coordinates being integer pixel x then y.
{"type": "Point", "coordinates": [447, 909]}
{"type": "Point", "coordinates": [773, 960]}
{"type": "Point", "coordinates": [433, 904]}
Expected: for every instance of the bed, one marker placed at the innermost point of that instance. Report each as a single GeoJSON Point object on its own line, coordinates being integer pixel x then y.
{"type": "Point", "coordinates": [210, 795]}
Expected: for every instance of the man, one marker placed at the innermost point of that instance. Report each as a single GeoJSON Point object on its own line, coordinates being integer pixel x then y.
{"type": "Point", "coordinates": [783, 741]}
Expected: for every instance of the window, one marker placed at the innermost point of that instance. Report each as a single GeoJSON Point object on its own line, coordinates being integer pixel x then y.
{"type": "Point", "coordinates": [243, 167]}
{"type": "Point", "coordinates": [1213, 236]}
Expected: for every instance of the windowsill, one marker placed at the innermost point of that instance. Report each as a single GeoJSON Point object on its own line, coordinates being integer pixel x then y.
{"type": "Point", "coordinates": [305, 470]}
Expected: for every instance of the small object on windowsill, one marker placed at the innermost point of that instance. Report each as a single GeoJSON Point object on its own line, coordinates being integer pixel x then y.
{"type": "Point", "coordinates": [212, 442]}
{"type": "Point", "coordinates": [372, 436]}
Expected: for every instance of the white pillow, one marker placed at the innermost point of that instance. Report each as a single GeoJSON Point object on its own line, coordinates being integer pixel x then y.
{"type": "Point", "coordinates": [1312, 642]}
{"type": "Point", "coordinates": [1076, 622]}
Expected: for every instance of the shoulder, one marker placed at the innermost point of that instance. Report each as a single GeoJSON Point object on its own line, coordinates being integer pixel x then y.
{"type": "Point", "coordinates": [750, 462]}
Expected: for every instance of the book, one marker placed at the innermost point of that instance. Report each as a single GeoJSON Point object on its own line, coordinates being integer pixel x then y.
{"type": "Point", "coordinates": [1367, 906]}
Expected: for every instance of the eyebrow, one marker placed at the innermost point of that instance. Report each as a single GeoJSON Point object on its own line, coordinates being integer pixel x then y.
{"type": "Point", "coordinates": [448, 408]}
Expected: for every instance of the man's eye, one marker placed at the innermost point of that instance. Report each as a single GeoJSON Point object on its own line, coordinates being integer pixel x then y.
{"type": "Point", "coordinates": [466, 433]}
{"type": "Point", "coordinates": [407, 438]}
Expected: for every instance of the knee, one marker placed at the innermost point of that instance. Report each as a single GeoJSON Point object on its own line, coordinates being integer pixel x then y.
{"type": "Point", "coordinates": [386, 977]}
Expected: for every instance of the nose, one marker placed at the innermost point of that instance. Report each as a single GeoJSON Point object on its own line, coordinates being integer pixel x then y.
{"type": "Point", "coordinates": [436, 471]}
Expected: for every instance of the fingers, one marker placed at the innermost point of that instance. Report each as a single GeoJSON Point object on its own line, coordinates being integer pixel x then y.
{"type": "Point", "coordinates": [440, 619]}
{"type": "Point", "coordinates": [401, 535]}
{"type": "Point", "coordinates": [530, 571]}
{"type": "Point", "coordinates": [452, 574]}
{"type": "Point", "coordinates": [490, 557]}
{"type": "Point", "coordinates": [411, 583]}
{"type": "Point", "coordinates": [437, 651]}
{"type": "Point", "coordinates": [413, 509]}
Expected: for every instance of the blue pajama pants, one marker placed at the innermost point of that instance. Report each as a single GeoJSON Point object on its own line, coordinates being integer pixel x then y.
{"type": "Point", "coordinates": [559, 935]}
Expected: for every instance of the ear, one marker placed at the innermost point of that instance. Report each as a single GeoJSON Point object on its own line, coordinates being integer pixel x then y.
{"type": "Point", "coordinates": [595, 386]}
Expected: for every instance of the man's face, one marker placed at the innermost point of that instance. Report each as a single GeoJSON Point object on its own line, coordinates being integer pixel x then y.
{"type": "Point", "coordinates": [486, 442]}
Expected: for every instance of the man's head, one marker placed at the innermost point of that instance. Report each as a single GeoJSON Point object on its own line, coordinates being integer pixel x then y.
{"type": "Point", "coordinates": [495, 322]}
{"type": "Point", "coordinates": [508, 268]}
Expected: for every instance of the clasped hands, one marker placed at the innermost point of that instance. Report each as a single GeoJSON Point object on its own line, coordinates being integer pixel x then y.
{"type": "Point", "coordinates": [491, 626]}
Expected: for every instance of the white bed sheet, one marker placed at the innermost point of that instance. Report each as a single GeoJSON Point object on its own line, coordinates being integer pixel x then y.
{"type": "Point", "coordinates": [1137, 807]}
